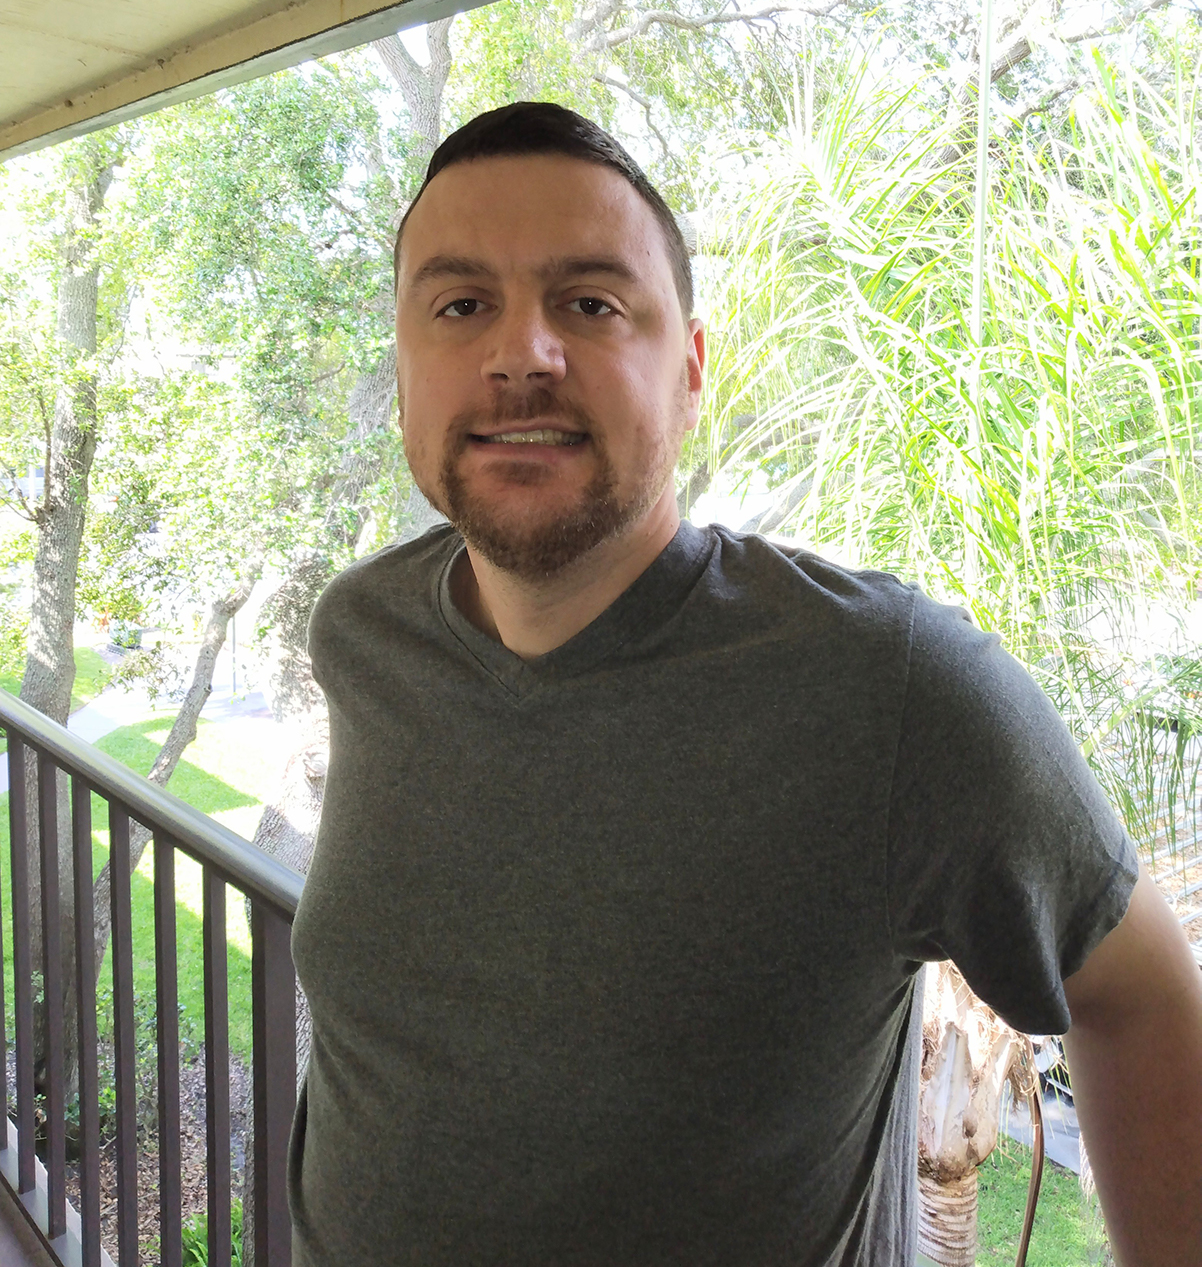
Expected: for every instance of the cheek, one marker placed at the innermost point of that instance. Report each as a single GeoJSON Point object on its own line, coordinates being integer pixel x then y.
{"type": "Point", "coordinates": [418, 406]}
{"type": "Point", "coordinates": [413, 416]}
{"type": "Point", "coordinates": [646, 398]}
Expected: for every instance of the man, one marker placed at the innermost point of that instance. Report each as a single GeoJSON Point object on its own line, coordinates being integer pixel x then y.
{"type": "Point", "coordinates": [636, 834]}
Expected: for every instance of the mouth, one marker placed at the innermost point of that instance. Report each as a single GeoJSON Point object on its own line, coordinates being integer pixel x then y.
{"type": "Point", "coordinates": [545, 435]}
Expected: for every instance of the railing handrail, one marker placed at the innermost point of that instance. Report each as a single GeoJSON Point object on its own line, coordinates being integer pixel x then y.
{"type": "Point", "coordinates": [205, 839]}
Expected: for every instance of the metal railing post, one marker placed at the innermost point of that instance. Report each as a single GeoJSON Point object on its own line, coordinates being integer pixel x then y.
{"type": "Point", "coordinates": [18, 821]}
{"type": "Point", "coordinates": [85, 1009]}
{"type": "Point", "coordinates": [124, 1036]}
{"type": "Point", "coordinates": [273, 995]}
{"type": "Point", "coordinates": [166, 1010]}
{"type": "Point", "coordinates": [52, 997]}
{"type": "Point", "coordinates": [217, 1070]}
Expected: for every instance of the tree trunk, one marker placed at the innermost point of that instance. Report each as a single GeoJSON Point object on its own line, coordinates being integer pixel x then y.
{"type": "Point", "coordinates": [183, 731]}
{"type": "Point", "coordinates": [293, 692]}
{"type": "Point", "coordinates": [968, 1054]}
{"type": "Point", "coordinates": [287, 830]}
{"type": "Point", "coordinates": [50, 661]}
{"type": "Point", "coordinates": [70, 447]}
{"type": "Point", "coordinates": [292, 689]}
{"type": "Point", "coordinates": [947, 1219]}
{"type": "Point", "coordinates": [421, 86]}
{"type": "Point", "coordinates": [288, 825]}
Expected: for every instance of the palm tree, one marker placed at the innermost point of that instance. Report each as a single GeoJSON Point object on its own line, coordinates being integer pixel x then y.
{"type": "Point", "coordinates": [968, 1056]}
{"type": "Point", "coordinates": [1048, 479]}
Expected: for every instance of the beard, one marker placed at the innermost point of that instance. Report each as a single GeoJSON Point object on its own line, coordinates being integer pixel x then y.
{"type": "Point", "coordinates": [532, 547]}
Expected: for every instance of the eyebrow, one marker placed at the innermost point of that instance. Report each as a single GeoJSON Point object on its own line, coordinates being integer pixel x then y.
{"type": "Point", "coordinates": [438, 267]}
{"type": "Point", "coordinates": [571, 266]}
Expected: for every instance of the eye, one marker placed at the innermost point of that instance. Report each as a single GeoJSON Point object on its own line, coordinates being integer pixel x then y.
{"type": "Point", "coordinates": [461, 308]}
{"type": "Point", "coordinates": [590, 306]}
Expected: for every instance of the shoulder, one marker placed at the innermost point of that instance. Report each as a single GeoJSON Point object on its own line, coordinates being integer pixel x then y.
{"type": "Point", "coordinates": [943, 645]}
{"type": "Point", "coordinates": [391, 587]}
{"type": "Point", "coordinates": [798, 584]}
{"type": "Point", "coordinates": [870, 621]}
{"type": "Point", "coordinates": [959, 673]}
{"type": "Point", "coordinates": [397, 566]}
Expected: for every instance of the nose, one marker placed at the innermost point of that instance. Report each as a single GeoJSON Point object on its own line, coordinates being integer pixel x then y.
{"type": "Point", "coordinates": [524, 349]}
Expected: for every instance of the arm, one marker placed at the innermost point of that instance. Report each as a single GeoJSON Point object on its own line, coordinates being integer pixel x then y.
{"type": "Point", "coordinates": [1135, 1056]}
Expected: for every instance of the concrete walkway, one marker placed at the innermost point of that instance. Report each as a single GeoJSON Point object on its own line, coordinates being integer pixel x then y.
{"type": "Point", "coordinates": [114, 708]}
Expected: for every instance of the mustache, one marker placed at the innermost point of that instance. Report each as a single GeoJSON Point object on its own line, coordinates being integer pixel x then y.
{"type": "Point", "coordinates": [509, 406]}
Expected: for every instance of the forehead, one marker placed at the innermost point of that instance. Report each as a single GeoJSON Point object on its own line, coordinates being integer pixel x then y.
{"type": "Point", "coordinates": [516, 213]}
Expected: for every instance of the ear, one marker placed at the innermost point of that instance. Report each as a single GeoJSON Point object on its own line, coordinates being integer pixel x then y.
{"type": "Point", "coordinates": [694, 369]}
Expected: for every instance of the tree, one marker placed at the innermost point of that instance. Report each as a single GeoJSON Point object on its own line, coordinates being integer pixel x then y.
{"type": "Point", "coordinates": [196, 513]}
{"type": "Point", "coordinates": [87, 171]}
{"type": "Point", "coordinates": [269, 209]}
{"type": "Point", "coordinates": [839, 322]}
{"type": "Point", "coordinates": [968, 1056]}
{"type": "Point", "coordinates": [67, 369]}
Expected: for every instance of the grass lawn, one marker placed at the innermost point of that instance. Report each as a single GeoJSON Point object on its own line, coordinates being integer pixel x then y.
{"type": "Point", "coordinates": [91, 677]}
{"type": "Point", "coordinates": [1060, 1237]}
{"type": "Point", "coordinates": [224, 773]}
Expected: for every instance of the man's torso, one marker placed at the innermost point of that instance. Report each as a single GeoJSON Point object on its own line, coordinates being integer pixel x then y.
{"type": "Point", "coordinates": [598, 947]}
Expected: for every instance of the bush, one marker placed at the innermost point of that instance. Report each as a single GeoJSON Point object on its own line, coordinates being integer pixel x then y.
{"type": "Point", "coordinates": [146, 1073]}
{"type": "Point", "coordinates": [196, 1238]}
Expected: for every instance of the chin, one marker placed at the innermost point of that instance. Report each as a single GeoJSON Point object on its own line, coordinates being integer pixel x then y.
{"type": "Point", "coordinates": [540, 542]}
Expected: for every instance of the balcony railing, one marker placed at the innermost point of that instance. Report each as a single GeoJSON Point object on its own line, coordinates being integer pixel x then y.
{"type": "Point", "coordinates": [41, 755]}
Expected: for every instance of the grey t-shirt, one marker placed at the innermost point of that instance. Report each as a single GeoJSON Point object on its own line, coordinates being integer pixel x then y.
{"type": "Point", "coordinates": [612, 954]}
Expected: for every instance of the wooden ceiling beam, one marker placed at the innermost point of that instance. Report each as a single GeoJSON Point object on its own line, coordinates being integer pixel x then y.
{"type": "Point", "coordinates": [294, 33]}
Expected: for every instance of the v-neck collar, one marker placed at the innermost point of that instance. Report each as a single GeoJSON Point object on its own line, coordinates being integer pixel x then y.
{"type": "Point", "coordinates": [670, 574]}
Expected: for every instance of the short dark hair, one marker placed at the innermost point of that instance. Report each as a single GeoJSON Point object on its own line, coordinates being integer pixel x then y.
{"type": "Point", "coordinates": [541, 127]}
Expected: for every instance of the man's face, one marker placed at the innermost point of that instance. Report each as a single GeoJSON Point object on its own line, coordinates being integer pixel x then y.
{"type": "Point", "coordinates": [545, 371]}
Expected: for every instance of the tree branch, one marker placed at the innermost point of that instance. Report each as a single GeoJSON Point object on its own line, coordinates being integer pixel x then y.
{"type": "Point", "coordinates": [599, 39]}
{"type": "Point", "coordinates": [183, 732]}
{"type": "Point", "coordinates": [398, 60]}
{"type": "Point", "coordinates": [25, 510]}
{"type": "Point", "coordinates": [356, 219]}
{"type": "Point", "coordinates": [421, 86]}
{"type": "Point", "coordinates": [702, 476]}
{"type": "Point", "coordinates": [1115, 28]}
{"type": "Point", "coordinates": [438, 41]}
{"type": "Point", "coordinates": [642, 101]}
{"type": "Point", "coordinates": [1044, 100]}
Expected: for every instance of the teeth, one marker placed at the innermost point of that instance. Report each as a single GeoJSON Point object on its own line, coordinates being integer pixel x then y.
{"type": "Point", "coordinates": [535, 437]}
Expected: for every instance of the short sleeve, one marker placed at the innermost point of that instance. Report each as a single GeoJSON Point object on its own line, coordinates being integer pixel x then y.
{"type": "Point", "coordinates": [1003, 852]}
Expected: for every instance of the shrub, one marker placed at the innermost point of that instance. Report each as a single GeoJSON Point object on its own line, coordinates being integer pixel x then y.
{"type": "Point", "coordinates": [196, 1238]}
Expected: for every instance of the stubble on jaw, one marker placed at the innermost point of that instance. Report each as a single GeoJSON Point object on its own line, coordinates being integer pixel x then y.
{"type": "Point", "coordinates": [539, 549]}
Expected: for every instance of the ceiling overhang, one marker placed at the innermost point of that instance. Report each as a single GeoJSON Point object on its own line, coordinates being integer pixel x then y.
{"type": "Point", "coordinates": [73, 66]}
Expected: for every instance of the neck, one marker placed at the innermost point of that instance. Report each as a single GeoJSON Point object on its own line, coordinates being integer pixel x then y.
{"type": "Point", "coordinates": [532, 618]}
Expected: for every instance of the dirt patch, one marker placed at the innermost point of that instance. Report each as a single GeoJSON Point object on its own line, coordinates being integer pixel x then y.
{"type": "Point", "coordinates": [193, 1177]}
